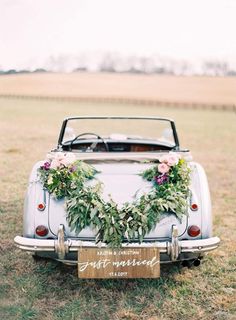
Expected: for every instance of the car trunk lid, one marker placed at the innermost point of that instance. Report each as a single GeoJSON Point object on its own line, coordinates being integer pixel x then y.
{"type": "Point", "coordinates": [123, 183]}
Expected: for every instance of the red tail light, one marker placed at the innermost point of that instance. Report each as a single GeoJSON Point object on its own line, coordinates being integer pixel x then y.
{"type": "Point", "coordinates": [41, 206]}
{"type": "Point", "coordinates": [41, 231]}
{"type": "Point", "coordinates": [194, 207]}
{"type": "Point", "coordinates": [194, 231]}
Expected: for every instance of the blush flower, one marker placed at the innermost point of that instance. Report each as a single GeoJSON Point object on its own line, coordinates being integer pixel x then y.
{"type": "Point", "coordinates": [163, 168]}
{"type": "Point", "coordinates": [55, 164]}
{"type": "Point", "coordinates": [172, 160]}
{"type": "Point", "coordinates": [67, 159]}
{"type": "Point", "coordinates": [62, 159]}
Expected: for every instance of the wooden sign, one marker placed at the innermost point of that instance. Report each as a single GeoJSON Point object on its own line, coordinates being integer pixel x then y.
{"type": "Point", "coordinates": [118, 263]}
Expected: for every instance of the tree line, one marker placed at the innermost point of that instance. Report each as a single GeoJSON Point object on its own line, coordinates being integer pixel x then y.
{"type": "Point", "coordinates": [118, 63]}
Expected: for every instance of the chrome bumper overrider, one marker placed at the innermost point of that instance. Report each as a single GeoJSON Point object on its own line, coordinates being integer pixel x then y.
{"type": "Point", "coordinates": [62, 246]}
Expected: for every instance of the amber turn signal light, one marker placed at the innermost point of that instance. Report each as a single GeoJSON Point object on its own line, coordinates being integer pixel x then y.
{"type": "Point", "coordinates": [194, 231]}
{"type": "Point", "coordinates": [41, 231]}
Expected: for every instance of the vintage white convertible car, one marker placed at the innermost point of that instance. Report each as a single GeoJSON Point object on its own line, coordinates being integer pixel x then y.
{"type": "Point", "coordinates": [118, 182]}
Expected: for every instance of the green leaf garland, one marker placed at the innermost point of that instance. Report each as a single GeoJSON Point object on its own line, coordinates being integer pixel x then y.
{"type": "Point", "coordinates": [86, 207]}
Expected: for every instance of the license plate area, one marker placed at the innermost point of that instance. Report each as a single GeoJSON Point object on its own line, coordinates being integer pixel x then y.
{"type": "Point", "coordinates": [104, 263]}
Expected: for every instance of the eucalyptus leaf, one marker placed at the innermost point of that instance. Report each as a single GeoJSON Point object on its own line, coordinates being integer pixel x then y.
{"type": "Point", "coordinates": [85, 205]}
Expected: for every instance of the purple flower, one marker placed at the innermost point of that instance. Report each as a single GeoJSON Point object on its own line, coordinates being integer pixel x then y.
{"type": "Point", "coordinates": [161, 179]}
{"type": "Point", "coordinates": [46, 166]}
{"type": "Point", "coordinates": [72, 169]}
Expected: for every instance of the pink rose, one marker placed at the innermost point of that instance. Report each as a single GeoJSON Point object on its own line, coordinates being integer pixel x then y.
{"type": "Point", "coordinates": [172, 160]}
{"type": "Point", "coordinates": [163, 168]}
{"type": "Point", "coordinates": [55, 164]}
{"type": "Point", "coordinates": [62, 159]}
{"type": "Point", "coordinates": [67, 159]}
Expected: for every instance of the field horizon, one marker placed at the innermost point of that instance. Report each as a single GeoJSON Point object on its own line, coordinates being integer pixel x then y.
{"type": "Point", "coordinates": [159, 89]}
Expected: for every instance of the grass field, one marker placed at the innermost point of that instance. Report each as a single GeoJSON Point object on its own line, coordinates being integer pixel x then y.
{"type": "Point", "coordinates": [46, 289]}
{"type": "Point", "coordinates": [198, 90]}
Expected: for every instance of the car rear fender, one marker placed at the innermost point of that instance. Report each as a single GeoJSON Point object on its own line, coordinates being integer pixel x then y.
{"type": "Point", "coordinates": [33, 197]}
{"type": "Point", "coordinates": [202, 195]}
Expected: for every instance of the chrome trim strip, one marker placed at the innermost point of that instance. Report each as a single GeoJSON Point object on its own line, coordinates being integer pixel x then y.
{"type": "Point", "coordinates": [44, 245]}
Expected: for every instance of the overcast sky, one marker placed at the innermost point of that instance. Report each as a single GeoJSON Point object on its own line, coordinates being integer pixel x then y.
{"type": "Point", "coordinates": [33, 30]}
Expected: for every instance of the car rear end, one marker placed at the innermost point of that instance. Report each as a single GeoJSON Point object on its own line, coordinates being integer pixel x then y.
{"type": "Point", "coordinates": [47, 233]}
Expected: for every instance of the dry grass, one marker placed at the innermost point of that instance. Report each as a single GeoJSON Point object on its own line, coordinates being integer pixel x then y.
{"type": "Point", "coordinates": [209, 90]}
{"type": "Point", "coordinates": [30, 290]}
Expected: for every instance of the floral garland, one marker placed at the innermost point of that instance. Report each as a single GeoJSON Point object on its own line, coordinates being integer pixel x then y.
{"type": "Point", "coordinates": [65, 177]}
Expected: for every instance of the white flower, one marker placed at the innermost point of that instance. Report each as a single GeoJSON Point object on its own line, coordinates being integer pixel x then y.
{"type": "Point", "coordinates": [50, 180]}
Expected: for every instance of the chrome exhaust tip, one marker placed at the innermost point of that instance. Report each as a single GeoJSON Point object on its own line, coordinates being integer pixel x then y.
{"type": "Point", "coordinates": [197, 262]}
{"type": "Point", "coordinates": [190, 263]}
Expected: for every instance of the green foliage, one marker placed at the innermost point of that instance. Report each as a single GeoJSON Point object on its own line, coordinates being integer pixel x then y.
{"type": "Point", "coordinates": [149, 173]}
{"type": "Point", "coordinates": [62, 182]}
{"type": "Point", "coordinates": [85, 206]}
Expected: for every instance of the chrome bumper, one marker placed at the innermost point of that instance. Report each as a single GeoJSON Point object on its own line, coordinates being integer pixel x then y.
{"type": "Point", "coordinates": [62, 246]}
